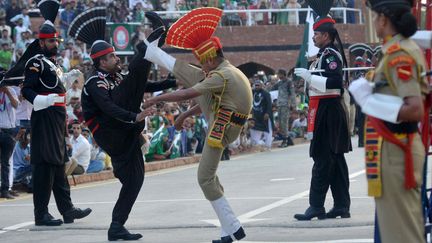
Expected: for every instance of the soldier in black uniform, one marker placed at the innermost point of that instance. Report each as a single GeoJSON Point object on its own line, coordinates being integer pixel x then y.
{"type": "Point", "coordinates": [43, 87]}
{"type": "Point", "coordinates": [111, 103]}
{"type": "Point", "coordinates": [327, 123]}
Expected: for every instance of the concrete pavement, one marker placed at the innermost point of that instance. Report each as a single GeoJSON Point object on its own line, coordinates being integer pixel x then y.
{"type": "Point", "coordinates": [265, 190]}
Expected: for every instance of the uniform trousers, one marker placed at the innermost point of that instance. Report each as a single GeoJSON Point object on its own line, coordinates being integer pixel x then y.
{"type": "Point", "coordinates": [7, 144]}
{"type": "Point", "coordinates": [131, 176]}
{"type": "Point", "coordinates": [47, 178]}
{"type": "Point", "coordinates": [329, 170]}
{"type": "Point", "coordinates": [283, 120]}
{"type": "Point", "coordinates": [399, 211]}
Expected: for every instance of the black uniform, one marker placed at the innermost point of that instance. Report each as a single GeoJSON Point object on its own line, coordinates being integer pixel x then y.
{"type": "Point", "coordinates": [110, 103]}
{"type": "Point", "coordinates": [330, 136]}
{"type": "Point", "coordinates": [48, 132]}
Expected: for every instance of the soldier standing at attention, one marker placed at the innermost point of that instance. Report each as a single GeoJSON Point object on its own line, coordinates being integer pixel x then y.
{"type": "Point", "coordinates": [223, 94]}
{"type": "Point", "coordinates": [327, 121]}
{"type": "Point", "coordinates": [43, 87]}
{"type": "Point", "coordinates": [394, 107]}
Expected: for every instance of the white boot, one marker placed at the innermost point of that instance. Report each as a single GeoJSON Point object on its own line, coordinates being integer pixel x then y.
{"type": "Point", "coordinates": [229, 222]}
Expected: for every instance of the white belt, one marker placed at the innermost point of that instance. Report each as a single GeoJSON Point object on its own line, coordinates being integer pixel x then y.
{"type": "Point", "coordinates": [329, 92]}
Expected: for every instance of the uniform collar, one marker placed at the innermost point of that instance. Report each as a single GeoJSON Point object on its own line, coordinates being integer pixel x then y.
{"type": "Point", "coordinates": [223, 64]}
{"type": "Point", "coordinates": [391, 42]}
{"type": "Point", "coordinates": [321, 50]}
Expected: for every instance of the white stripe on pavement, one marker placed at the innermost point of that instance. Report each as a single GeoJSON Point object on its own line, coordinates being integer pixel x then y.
{"type": "Point", "coordinates": [284, 201]}
{"type": "Point", "coordinates": [325, 241]}
{"type": "Point", "coordinates": [15, 227]}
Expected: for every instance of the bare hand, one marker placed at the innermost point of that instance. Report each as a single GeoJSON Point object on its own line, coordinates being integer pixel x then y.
{"type": "Point", "coordinates": [142, 115]}
{"type": "Point", "coordinates": [178, 123]}
{"type": "Point", "coordinates": [266, 117]}
{"type": "Point", "coordinates": [148, 102]}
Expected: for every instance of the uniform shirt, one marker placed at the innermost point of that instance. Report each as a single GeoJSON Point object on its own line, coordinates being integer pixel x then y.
{"type": "Point", "coordinates": [7, 111]}
{"type": "Point", "coordinates": [401, 60]}
{"type": "Point", "coordinates": [97, 98]}
{"type": "Point", "coordinates": [286, 96]}
{"type": "Point", "coordinates": [329, 59]}
{"type": "Point", "coordinates": [237, 95]}
{"type": "Point", "coordinates": [49, 124]}
{"type": "Point", "coordinates": [81, 150]}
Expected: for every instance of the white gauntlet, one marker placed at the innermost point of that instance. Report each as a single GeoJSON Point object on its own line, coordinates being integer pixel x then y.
{"type": "Point", "coordinates": [157, 56]}
{"type": "Point", "coordinates": [44, 101]}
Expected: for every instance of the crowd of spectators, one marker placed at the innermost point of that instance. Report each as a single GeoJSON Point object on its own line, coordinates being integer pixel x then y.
{"type": "Point", "coordinates": [162, 138]}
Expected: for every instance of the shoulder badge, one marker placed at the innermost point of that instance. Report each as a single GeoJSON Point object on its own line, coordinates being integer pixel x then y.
{"type": "Point", "coordinates": [393, 48]}
{"type": "Point", "coordinates": [333, 65]}
{"type": "Point", "coordinates": [404, 72]}
{"type": "Point", "coordinates": [34, 69]}
{"type": "Point", "coordinates": [402, 59]}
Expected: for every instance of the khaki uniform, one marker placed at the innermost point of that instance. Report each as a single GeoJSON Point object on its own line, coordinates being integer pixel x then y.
{"type": "Point", "coordinates": [235, 95]}
{"type": "Point", "coordinates": [399, 210]}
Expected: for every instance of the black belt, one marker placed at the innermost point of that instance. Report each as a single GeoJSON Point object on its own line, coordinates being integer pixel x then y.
{"type": "Point", "coordinates": [238, 118]}
{"type": "Point", "coordinates": [404, 127]}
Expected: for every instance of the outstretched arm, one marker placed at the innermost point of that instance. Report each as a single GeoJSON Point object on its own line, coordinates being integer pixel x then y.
{"type": "Point", "coordinates": [184, 94]}
{"type": "Point", "coordinates": [153, 86]}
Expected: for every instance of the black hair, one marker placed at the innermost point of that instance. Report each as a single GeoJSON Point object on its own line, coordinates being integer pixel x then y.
{"type": "Point", "coordinates": [402, 19]}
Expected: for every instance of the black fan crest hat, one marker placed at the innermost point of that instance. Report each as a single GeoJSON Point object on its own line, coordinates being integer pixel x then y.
{"type": "Point", "coordinates": [324, 22]}
{"type": "Point", "coordinates": [89, 27]}
{"type": "Point", "coordinates": [49, 11]}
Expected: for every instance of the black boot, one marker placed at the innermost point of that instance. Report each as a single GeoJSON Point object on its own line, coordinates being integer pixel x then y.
{"type": "Point", "coordinates": [289, 141]}
{"type": "Point", "coordinates": [239, 234]}
{"type": "Point", "coordinates": [335, 212]}
{"type": "Point", "coordinates": [119, 232]}
{"type": "Point", "coordinates": [75, 213]}
{"type": "Point", "coordinates": [48, 220]}
{"type": "Point", "coordinates": [311, 213]}
{"type": "Point", "coordinates": [6, 194]}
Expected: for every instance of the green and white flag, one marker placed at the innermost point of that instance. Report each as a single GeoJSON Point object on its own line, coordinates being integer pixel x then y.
{"type": "Point", "coordinates": [175, 146]}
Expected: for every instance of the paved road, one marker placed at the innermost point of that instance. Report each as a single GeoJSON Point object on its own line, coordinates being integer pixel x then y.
{"type": "Point", "coordinates": [265, 190]}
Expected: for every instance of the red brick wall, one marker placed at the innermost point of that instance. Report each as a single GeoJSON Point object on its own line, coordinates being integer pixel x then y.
{"type": "Point", "coordinates": [272, 35]}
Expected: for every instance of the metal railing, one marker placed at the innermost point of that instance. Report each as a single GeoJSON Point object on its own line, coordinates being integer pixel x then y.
{"type": "Point", "coordinates": [251, 17]}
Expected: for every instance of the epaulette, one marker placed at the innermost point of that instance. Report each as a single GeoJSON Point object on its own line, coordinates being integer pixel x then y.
{"type": "Point", "coordinates": [101, 75]}
{"type": "Point", "coordinates": [36, 66]}
{"type": "Point", "coordinates": [393, 48]}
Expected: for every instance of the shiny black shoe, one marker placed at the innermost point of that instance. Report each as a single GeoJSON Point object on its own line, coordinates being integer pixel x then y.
{"type": "Point", "coordinates": [336, 212]}
{"type": "Point", "coordinates": [48, 220]}
{"type": "Point", "coordinates": [7, 195]}
{"type": "Point", "coordinates": [239, 234]}
{"type": "Point", "coordinates": [75, 213]}
{"type": "Point", "coordinates": [119, 232]}
{"type": "Point", "coordinates": [311, 213]}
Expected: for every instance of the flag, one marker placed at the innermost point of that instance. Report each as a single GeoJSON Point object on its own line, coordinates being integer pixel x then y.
{"type": "Point", "coordinates": [308, 49]}
{"type": "Point", "coordinates": [312, 49]}
{"type": "Point", "coordinates": [157, 136]}
{"type": "Point", "coordinates": [175, 146]}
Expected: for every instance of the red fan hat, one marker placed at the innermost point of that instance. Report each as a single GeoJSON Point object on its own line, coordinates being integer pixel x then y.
{"type": "Point", "coordinates": [48, 31]}
{"type": "Point", "coordinates": [194, 32]}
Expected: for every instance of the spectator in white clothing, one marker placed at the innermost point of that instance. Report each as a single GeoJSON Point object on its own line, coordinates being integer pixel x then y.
{"type": "Point", "coordinates": [74, 91]}
{"type": "Point", "coordinates": [81, 149]}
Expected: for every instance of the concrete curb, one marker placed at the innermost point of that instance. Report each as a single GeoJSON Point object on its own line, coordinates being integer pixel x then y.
{"type": "Point", "coordinates": [158, 165]}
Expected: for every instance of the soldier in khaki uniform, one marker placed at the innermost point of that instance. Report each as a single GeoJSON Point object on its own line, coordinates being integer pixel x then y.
{"type": "Point", "coordinates": [394, 150]}
{"type": "Point", "coordinates": [222, 92]}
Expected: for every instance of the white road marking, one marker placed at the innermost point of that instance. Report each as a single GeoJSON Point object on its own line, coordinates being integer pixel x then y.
{"type": "Point", "coordinates": [282, 179]}
{"type": "Point", "coordinates": [325, 241]}
{"type": "Point", "coordinates": [15, 227]}
{"type": "Point", "coordinates": [247, 217]}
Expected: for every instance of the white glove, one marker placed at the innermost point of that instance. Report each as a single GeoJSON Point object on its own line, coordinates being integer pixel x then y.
{"type": "Point", "coordinates": [304, 73]}
{"type": "Point", "coordinates": [71, 76]}
{"type": "Point", "coordinates": [44, 101]}
{"type": "Point", "coordinates": [360, 90]}
{"type": "Point", "coordinates": [157, 56]}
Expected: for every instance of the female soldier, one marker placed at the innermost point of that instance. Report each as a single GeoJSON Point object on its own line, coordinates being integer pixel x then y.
{"type": "Point", "coordinates": [394, 106]}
